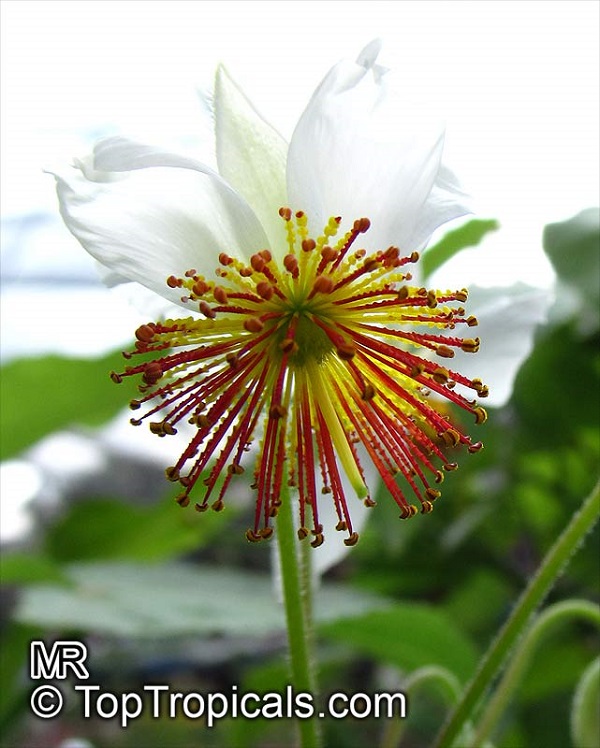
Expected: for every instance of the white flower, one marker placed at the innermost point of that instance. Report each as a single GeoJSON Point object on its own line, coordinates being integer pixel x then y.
{"type": "Point", "coordinates": [148, 216]}
{"type": "Point", "coordinates": [143, 212]}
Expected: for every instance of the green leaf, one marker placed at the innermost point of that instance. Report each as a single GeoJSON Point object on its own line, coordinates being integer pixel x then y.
{"type": "Point", "coordinates": [468, 235]}
{"type": "Point", "coordinates": [573, 247]}
{"type": "Point", "coordinates": [557, 389]}
{"type": "Point", "coordinates": [41, 395]}
{"type": "Point", "coordinates": [14, 690]}
{"type": "Point", "coordinates": [555, 668]}
{"type": "Point", "coordinates": [408, 636]}
{"type": "Point", "coordinates": [172, 600]}
{"type": "Point", "coordinates": [27, 568]}
{"type": "Point", "coordinates": [112, 529]}
{"type": "Point", "coordinates": [585, 716]}
{"type": "Point", "coordinates": [478, 600]}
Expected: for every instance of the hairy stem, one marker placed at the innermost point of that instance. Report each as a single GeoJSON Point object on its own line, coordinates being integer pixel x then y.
{"type": "Point", "coordinates": [537, 589]}
{"type": "Point", "coordinates": [424, 676]}
{"type": "Point", "coordinates": [521, 656]}
{"type": "Point", "coordinates": [298, 612]}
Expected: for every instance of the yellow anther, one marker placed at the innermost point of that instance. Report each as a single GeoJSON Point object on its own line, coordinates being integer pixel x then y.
{"type": "Point", "coordinates": [362, 225]}
{"type": "Point", "coordinates": [444, 351]}
{"type": "Point", "coordinates": [451, 438]}
{"type": "Point", "coordinates": [288, 345]}
{"type": "Point", "coordinates": [220, 295]}
{"type": "Point", "coordinates": [200, 287]}
{"type": "Point", "coordinates": [172, 474]}
{"type": "Point", "coordinates": [470, 345]}
{"type": "Point", "coordinates": [323, 284]}
{"type": "Point", "coordinates": [265, 290]}
{"type": "Point", "coordinates": [346, 351]}
{"type": "Point", "coordinates": [480, 415]}
{"type": "Point", "coordinates": [206, 310]}
{"type": "Point", "coordinates": [440, 375]}
{"type": "Point", "coordinates": [183, 499]}
{"type": "Point", "coordinates": [257, 263]}
{"type": "Point", "coordinates": [253, 324]}
{"type": "Point", "coordinates": [145, 334]}
{"type": "Point", "coordinates": [368, 392]}
{"type": "Point", "coordinates": [277, 411]}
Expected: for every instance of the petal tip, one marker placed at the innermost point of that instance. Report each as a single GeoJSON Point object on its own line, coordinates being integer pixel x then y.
{"type": "Point", "coordinates": [368, 55]}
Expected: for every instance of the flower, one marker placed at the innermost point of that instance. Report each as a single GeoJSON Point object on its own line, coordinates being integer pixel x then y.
{"type": "Point", "coordinates": [305, 327]}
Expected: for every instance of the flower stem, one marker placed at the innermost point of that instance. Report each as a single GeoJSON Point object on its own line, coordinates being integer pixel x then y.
{"type": "Point", "coordinates": [296, 594]}
{"type": "Point", "coordinates": [537, 589]}
{"type": "Point", "coordinates": [522, 655]}
{"type": "Point", "coordinates": [585, 721]}
{"type": "Point", "coordinates": [394, 729]}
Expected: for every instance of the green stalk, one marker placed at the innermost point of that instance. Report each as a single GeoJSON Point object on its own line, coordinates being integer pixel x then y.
{"type": "Point", "coordinates": [521, 657]}
{"type": "Point", "coordinates": [551, 567]}
{"type": "Point", "coordinates": [394, 729]}
{"type": "Point", "coordinates": [585, 720]}
{"type": "Point", "coordinates": [296, 595]}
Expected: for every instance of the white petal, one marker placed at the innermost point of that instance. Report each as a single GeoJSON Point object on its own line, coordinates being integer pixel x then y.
{"type": "Point", "coordinates": [508, 318]}
{"type": "Point", "coordinates": [333, 549]}
{"type": "Point", "coordinates": [116, 154]}
{"type": "Point", "coordinates": [357, 152]}
{"type": "Point", "coordinates": [251, 156]}
{"type": "Point", "coordinates": [147, 224]}
{"type": "Point", "coordinates": [446, 202]}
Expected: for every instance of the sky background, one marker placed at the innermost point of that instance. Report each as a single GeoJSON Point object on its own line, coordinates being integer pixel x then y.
{"type": "Point", "coordinates": [517, 83]}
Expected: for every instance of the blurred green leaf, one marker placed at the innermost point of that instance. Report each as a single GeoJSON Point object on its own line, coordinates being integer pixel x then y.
{"type": "Point", "coordinates": [479, 601]}
{"type": "Point", "coordinates": [112, 529]}
{"type": "Point", "coordinates": [557, 390]}
{"type": "Point", "coordinates": [408, 636]}
{"type": "Point", "coordinates": [28, 568]}
{"type": "Point", "coordinates": [13, 656]}
{"type": "Point", "coordinates": [151, 601]}
{"type": "Point", "coordinates": [573, 247]}
{"type": "Point", "coordinates": [468, 235]}
{"type": "Point", "coordinates": [545, 677]}
{"type": "Point", "coordinates": [41, 395]}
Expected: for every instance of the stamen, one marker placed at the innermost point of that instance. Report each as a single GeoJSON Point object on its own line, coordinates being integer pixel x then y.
{"type": "Point", "coordinates": [320, 354]}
